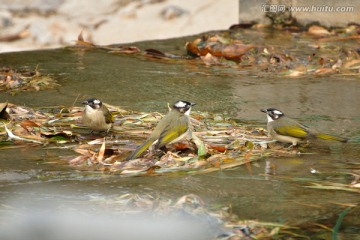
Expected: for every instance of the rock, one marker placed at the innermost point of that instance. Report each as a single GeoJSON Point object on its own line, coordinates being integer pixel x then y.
{"type": "Point", "coordinates": [5, 19]}
{"type": "Point", "coordinates": [171, 12]}
{"type": "Point", "coordinates": [26, 6]}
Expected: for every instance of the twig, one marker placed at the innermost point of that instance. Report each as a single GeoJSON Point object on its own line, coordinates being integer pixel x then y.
{"type": "Point", "coordinates": [14, 137]}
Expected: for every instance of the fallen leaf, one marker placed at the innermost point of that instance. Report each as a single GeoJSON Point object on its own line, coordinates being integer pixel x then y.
{"type": "Point", "coordinates": [152, 170]}
{"type": "Point", "coordinates": [101, 153]}
{"type": "Point", "coordinates": [28, 123]}
{"type": "Point", "coordinates": [250, 147]}
{"type": "Point", "coordinates": [209, 59]}
{"type": "Point", "coordinates": [353, 64]}
{"type": "Point", "coordinates": [196, 47]}
{"type": "Point", "coordinates": [3, 113]}
{"type": "Point", "coordinates": [338, 64]}
{"type": "Point", "coordinates": [216, 160]}
{"type": "Point", "coordinates": [181, 145]}
{"type": "Point", "coordinates": [321, 71]}
{"type": "Point", "coordinates": [219, 148]}
{"type": "Point", "coordinates": [155, 53]}
{"type": "Point", "coordinates": [17, 138]}
{"type": "Point", "coordinates": [85, 152]}
{"type": "Point", "coordinates": [318, 31]}
{"type": "Point", "coordinates": [123, 49]}
{"type": "Point", "coordinates": [82, 43]}
{"type": "Point", "coordinates": [229, 51]}
{"type": "Point", "coordinates": [16, 36]}
{"type": "Point", "coordinates": [338, 39]}
{"type": "Point", "coordinates": [78, 160]}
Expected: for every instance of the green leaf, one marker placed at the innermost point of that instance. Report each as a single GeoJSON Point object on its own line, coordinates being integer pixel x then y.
{"type": "Point", "coordinates": [202, 151]}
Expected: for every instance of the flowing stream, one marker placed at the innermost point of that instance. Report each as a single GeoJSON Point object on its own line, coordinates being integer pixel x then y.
{"type": "Point", "coordinates": [31, 177]}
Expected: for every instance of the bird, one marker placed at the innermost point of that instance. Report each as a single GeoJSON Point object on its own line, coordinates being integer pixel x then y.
{"type": "Point", "coordinates": [96, 115]}
{"type": "Point", "coordinates": [287, 130]}
{"type": "Point", "coordinates": [173, 127]}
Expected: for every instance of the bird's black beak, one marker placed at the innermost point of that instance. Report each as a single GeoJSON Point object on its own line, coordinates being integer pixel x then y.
{"type": "Point", "coordinates": [85, 102]}
{"type": "Point", "coordinates": [263, 110]}
{"type": "Point", "coordinates": [193, 104]}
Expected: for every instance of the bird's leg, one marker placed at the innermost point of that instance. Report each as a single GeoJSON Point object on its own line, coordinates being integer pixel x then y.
{"type": "Point", "coordinates": [292, 146]}
{"type": "Point", "coordinates": [152, 151]}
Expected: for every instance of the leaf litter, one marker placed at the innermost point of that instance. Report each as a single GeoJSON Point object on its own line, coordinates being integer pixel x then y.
{"type": "Point", "coordinates": [213, 146]}
{"type": "Point", "coordinates": [221, 143]}
{"type": "Point", "coordinates": [14, 81]}
{"type": "Point", "coordinates": [310, 51]}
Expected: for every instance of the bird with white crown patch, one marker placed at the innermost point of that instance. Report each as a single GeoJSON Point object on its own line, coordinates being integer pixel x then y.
{"type": "Point", "coordinates": [97, 116]}
{"type": "Point", "coordinates": [287, 130]}
{"type": "Point", "coordinates": [173, 127]}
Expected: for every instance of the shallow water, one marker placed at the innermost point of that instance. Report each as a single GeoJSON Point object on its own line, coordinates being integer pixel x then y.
{"type": "Point", "coordinates": [32, 176]}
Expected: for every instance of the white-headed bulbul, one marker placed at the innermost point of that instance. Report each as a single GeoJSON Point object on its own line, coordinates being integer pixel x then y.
{"type": "Point", "coordinates": [173, 127]}
{"type": "Point", "coordinates": [287, 130]}
{"type": "Point", "coordinates": [97, 116]}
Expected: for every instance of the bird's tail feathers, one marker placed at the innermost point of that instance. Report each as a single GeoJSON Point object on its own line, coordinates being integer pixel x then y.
{"type": "Point", "coordinates": [330, 137]}
{"type": "Point", "coordinates": [142, 148]}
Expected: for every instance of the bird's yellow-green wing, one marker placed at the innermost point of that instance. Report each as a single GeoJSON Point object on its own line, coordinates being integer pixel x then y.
{"type": "Point", "coordinates": [173, 131]}
{"type": "Point", "coordinates": [292, 130]}
{"type": "Point", "coordinates": [169, 128]}
{"type": "Point", "coordinates": [142, 148]}
{"type": "Point", "coordinates": [109, 117]}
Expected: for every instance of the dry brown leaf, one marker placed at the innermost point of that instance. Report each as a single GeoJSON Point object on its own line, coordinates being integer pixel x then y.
{"type": "Point", "coordinates": [155, 53]}
{"type": "Point", "coordinates": [81, 42]}
{"type": "Point", "coordinates": [318, 31]}
{"type": "Point", "coordinates": [338, 39]}
{"type": "Point", "coordinates": [322, 71]}
{"type": "Point", "coordinates": [101, 153]}
{"type": "Point", "coordinates": [229, 51]}
{"type": "Point", "coordinates": [123, 49]}
{"type": "Point", "coordinates": [28, 123]}
{"type": "Point", "coordinates": [3, 113]}
{"type": "Point", "coordinates": [85, 152]}
{"type": "Point", "coordinates": [182, 145]}
{"type": "Point", "coordinates": [152, 170]}
{"type": "Point", "coordinates": [193, 48]}
{"type": "Point", "coordinates": [209, 59]}
{"type": "Point", "coordinates": [219, 148]}
{"type": "Point", "coordinates": [78, 160]}
{"type": "Point", "coordinates": [16, 36]}
{"type": "Point", "coordinates": [353, 64]}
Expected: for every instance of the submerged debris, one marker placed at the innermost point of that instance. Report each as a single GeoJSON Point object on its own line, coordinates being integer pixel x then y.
{"type": "Point", "coordinates": [220, 221]}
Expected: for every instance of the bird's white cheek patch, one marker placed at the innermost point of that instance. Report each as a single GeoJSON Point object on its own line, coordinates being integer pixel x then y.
{"type": "Point", "coordinates": [96, 101]}
{"type": "Point", "coordinates": [89, 109]}
{"type": "Point", "coordinates": [277, 112]}
{"type": "Point", "coordinates": [269, 118]}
